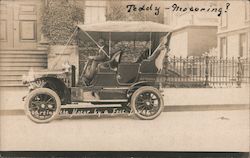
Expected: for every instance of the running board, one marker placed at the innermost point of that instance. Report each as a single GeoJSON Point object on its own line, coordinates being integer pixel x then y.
{"type": "Point", "coordinates": [87, 105]}
{"type": "Point", "coordinates": [108, 101]}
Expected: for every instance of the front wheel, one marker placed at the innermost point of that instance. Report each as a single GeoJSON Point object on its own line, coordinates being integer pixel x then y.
{"type": "Point", "coordinates": [42, 105]}
{"type": "Point", "coordinates": [147, 103]}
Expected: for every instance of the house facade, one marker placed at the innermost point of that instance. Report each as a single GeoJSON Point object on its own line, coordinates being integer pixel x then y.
{"type": "Point", "coordinates": [22, 45]}
{"type": "Point", "coordinates": [234, 31]}
{"type": "Point", "coordinates": [193, 33]}
{"type": "Point", "coordinates": [21, 41]}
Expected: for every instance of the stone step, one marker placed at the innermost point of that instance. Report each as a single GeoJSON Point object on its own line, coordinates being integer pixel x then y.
{"type": "Point", "coordinates": [15, 63]}
{"type": "Point", "coordinates": [25, 64]}
{"type": "Point", "coordinates": [11, 83]}
{"type": "Point", "coordinates": [23, 52]}
{"type": "Point", "coordinates": [23, 68]}
{"type": "Point", "coordinates": [24, 60]}
{"type": "Point", "coordinates": [12, 72]}
{"type": "Point", "coordinates": [11, 78]}
{"type": "Point", "coordinates": [22, 56]}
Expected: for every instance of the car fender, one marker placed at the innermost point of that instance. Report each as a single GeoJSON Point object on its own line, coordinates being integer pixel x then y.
{"type": "Point", "coordinates": [137, 85]}
{"type": "Point", "coordinates": [56, 85]}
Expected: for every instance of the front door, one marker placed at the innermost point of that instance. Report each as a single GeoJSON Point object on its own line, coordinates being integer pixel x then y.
{"type": "Point", "coordinates": [6, 23]}
{"type": "Point", "coordinates": [127, 73]}
{"type": "Point", "coordinates": [19, 24]}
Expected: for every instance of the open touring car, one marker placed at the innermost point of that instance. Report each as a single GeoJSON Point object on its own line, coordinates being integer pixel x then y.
{"type": "Point", "coordinates": [117, 87]}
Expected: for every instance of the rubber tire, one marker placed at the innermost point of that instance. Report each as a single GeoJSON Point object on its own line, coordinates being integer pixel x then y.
{"type": "Point", "coordinates": [42, 91]}
{"type": "Point", "coordinates": [138, 92]}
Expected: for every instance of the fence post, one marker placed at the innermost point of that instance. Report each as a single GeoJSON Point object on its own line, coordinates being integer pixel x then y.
{"type": "Point", "coordinates": [239, 73]}
{"type": "Point", "coordinates": [206, 70]}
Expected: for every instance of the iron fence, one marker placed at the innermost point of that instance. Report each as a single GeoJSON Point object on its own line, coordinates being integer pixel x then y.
{"type": "Point", "coordinates": [206, 71]}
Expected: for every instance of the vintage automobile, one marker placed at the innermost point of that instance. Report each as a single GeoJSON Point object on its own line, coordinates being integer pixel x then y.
{"type": "Point", "coordinates": [134, 88]}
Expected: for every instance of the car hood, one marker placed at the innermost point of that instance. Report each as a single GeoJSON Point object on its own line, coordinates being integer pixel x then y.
{"type": "Point", "coordinates": [35, 74]}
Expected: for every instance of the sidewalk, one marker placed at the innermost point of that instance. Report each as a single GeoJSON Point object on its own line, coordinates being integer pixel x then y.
{"type": "Point", "coordinates": [206, 96]}
{"type": "Point", "coordinates": [11, 98]}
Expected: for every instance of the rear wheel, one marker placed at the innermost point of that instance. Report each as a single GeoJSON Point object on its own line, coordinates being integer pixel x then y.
{"type": "Point", "coordinates": [147, 103]}
{"type": "Point", "coordinates": [42, 105]}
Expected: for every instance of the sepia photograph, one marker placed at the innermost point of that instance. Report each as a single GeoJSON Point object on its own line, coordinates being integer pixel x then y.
{"type": "Point", "coordinates": [138, 78]}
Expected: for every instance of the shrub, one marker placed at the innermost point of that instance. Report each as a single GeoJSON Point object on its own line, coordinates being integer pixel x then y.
{"type": "Point", "coordinates": [59, 20]}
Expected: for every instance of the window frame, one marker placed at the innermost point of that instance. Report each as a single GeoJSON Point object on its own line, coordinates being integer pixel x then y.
{"type": "Point", "coordinates": [247, 11]}
{"type": "Point", "coordinates": [226, 20]}
{"type": "Point", "coordinates": [97, 5]}
{"type": "Point", "coordinates": [222, 55]}
{"type": "Point", "coordinates": [241, 50]}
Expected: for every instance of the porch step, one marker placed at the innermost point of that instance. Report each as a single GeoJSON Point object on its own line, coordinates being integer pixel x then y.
{"type": "Point", "coordinates": [12, 72]}
{"type": "Point", "coordinates": [24, 55]}
{"type": "Point", "coordinates": [19, 68]}
{"type": "Point", "coordinates": [23, 64]}
{"type": "Point", "coordinates": [11, 84]}
{"type": "Point", "coordinates": [24, 52]}
{"type": "Point", "coordinates": [23, 59]}
{"type": "Point", "coordinates": [10, 78]}
{"type": "Point", "coordinates": [15, 63]}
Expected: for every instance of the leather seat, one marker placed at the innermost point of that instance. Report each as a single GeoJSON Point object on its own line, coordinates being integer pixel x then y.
{"type": "Point", "coordinates": [154, 63]}
{"type": "Point", "coordinates": [112, 64]}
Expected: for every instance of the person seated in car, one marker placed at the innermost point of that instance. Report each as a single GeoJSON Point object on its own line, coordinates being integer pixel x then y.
{"type": "Point", "coordinates": [98, 59]}
{"type": "Point", "coordinates": [95, 60]}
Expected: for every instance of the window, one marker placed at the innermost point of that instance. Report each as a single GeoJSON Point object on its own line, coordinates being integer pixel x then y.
{"type": "Point", "coordinates": [243, 45]}
{"type": "Point", "coordinates": [247, 10]}
{"type": "Point", "coordinates": [167, 17]}
{"type": "Point", "coordinates": [223, 21]}
{"type": "Point", "coordinates": [95, 11]}
{"type": "Point", "coordinates": [223, 47]}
